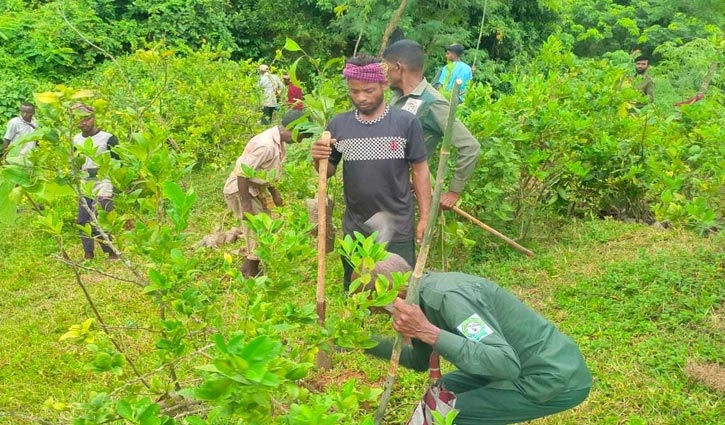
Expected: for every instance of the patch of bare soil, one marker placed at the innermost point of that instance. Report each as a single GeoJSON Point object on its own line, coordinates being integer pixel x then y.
{"type": "Point", "coordinates": [711, 375]}
{"type": "Point", "coordinates": [325, 378]}
{"type": "Point", "coordinates": [217, 239]}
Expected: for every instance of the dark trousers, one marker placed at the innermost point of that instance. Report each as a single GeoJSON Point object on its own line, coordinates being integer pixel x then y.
{"type": "Point", "coordinates": [480, 405]}
{"type": "Point", "coordinates": [404, 249]}
{"type": "Point", "coordinates": [84, 217]}
{"type": "Point", "coordinates": [268, 111]}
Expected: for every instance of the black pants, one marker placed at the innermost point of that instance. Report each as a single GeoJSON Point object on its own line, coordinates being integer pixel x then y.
{"type": "Point", "coordinates": [268, 111]}
{"type": "Point", "coordinates": [404, 249]}
{"type": "Point", "coordinates": [84, 217]}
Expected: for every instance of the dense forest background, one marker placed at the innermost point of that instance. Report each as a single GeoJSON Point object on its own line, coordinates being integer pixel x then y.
{"type": "Point", "coordinates": [50, 41]}
{"type": "Point", "coordinates": [623, 202]}
{"type": "Point", "coordinates": [189, 66]}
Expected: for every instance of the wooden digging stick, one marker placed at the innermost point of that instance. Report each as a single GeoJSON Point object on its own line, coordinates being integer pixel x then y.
{"type": "Point", "coordinates": [323, 360]}
{"type": "Point", "coordinates": [492, 231]}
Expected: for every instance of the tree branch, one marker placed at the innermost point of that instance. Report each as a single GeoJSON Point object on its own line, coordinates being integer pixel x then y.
{"type": "Point", "coordinates": [97, 313]}
{"type": "Point", "coordinates": [392, 24]}
{"type": "Point", "coordinates": [91, 269]}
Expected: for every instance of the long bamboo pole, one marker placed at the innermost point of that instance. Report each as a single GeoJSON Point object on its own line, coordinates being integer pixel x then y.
{"type": "Point", "coordinates": [323, 360]}
{"type": "Point", "coordinates": [480, 34]}
{"type": "Point", "coordinates": [493, 231]}
{"type": "Point", "coordinates": [424, 247]}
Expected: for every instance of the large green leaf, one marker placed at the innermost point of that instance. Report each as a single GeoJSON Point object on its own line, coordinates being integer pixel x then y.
{"type": "Point", "coordinates": [291, 45]}
{"type": "Point", "coordinates": [17, 174]}
{"type": "Point", "coordinates": [8, 206]}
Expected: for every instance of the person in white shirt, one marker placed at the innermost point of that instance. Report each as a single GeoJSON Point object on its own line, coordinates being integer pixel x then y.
{"type": "Point", "coordinates": [104, 143]}
{"type": "Point", "coordinates": [272, 88]}
{"type": "Point", "coordinates": [18, 127]}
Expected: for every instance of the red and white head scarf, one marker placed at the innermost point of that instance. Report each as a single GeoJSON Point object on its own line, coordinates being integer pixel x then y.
{"type": "Point", "coordinates": [371, 73]}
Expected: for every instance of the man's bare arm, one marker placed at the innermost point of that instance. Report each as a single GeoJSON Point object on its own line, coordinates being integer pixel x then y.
{"type": "Point", "coordinates": [422, 187]}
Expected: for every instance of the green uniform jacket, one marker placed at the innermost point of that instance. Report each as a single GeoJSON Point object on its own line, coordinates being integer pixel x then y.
{"type": "Point", "coordinates": [431, 108]}
{"type": "Point", "coordinates": [646, 85]}
{"type": "Point", "coordinates": [488, 333]}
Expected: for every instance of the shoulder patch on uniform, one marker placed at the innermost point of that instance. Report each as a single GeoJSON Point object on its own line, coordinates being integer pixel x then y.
{"type": "Point", "coordinates": [474, 328]}
{"type": "Point", "coordinates": [412, 105]}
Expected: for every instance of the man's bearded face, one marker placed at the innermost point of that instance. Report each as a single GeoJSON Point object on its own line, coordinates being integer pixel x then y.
{"type": "Point", "coordinates": [366, 96]}
{"type": "Point", "coordinates": [641, 66]}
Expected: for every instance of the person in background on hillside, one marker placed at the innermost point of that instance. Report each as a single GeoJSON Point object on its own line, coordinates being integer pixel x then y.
{"type": "Point", "coordinates": [380, 146]}
{"type": "Point", "coordinates": [255, 194]}
{"type": "Point", "coordinates": [294, 94]}
{"type": "Point", "coordinates": [104, 143]}
{"type": "Point", "coordinates": [272, 89]}
{"type": "Point", "coordinates": [643, 80]}
{"type": "Point", "coordinates": [411, 92]}
{"type": "Point", "coordinates": [512, 364]}
{"type": "Point", "coordinates": [453, 70]}
{"type": "Point", "coordinates": [18, 127]}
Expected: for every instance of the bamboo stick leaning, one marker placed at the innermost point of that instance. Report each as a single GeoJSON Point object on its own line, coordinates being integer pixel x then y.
{"type": "Point", "coordinates": [424, 248]}
{"type": "Point", "coordinates": [493, 231]}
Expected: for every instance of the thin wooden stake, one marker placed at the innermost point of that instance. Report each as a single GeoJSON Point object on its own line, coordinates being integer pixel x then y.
{"type": "Point", "coordinates": [323, 360]}
{"type": "Point", "coordinates": [424, 248]}
{"type": "Point", "coordinates": [480, 34]}
{"type": "Point", "coordinates": [493, 231]}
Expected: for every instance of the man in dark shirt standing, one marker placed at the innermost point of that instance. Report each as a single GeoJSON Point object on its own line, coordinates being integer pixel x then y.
{"type": "Point", "coordinates": [380, 147]}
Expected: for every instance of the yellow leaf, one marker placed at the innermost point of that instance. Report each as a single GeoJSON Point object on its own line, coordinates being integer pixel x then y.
{"type": "Point", "coordinates": [100, 105]}
{"type": "Point", "coordinates": [87, 324]}
{"type": "Point", "coordinates": [147, 56]}
{"type": "Point", "coordinates": [78, 331]}
{"type": "Point", "coordinates": [48, 97]}
{"type": "Point", "coordinates": [54, 404]}
{"type": "Point", "coordinates": [73, 332]}
{"type": "Point", "coordinates": [82, 94]}
{"type": "Point", "coordinates": [340, 10]}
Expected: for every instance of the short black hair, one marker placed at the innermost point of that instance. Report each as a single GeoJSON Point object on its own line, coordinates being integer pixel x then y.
{"type": "Point", "coordinates": [291, 117]}
{"type": "Point", "coordinates": [363, 59]}
{"type": "Point", "coordinates": [27, 104]}
{"type": "Point", "coordinates": [642, 58]}
{"type": "Point", "coordinates": [407, 52]}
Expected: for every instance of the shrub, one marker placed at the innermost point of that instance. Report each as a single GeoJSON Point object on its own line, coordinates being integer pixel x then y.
{"type": "Point", "coordinates": [568, 139]}
{"type": "Point", "coordinates": [208, 104]}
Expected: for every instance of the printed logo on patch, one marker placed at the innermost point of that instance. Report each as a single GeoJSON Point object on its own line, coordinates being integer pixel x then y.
{"type": "Point", "coordinates": [474, 328]}
{"type": "Point", "coordinates": [412, 105]}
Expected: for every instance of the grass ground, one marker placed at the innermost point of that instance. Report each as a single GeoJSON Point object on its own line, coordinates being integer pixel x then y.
{"type": "Point", "coordinates": [641, 302]}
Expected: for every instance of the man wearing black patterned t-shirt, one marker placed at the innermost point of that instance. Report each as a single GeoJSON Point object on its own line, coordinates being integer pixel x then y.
{"type": "Point", "coordinates": [380, 147]}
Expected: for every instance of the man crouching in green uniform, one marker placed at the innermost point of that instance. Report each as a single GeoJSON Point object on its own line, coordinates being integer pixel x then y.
{"type": "Point", "coordinates": [513, 365]}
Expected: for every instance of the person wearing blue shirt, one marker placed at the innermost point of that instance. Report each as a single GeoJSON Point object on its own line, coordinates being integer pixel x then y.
{"type": "Point", "coordinates": [453, 70]}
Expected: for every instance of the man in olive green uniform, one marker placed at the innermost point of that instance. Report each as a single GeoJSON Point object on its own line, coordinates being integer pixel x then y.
{"type": "Point", "coordinates": [644, 82]}
{"type": "Point", "coordinates": [513, 365]}
{"type": "Point", "coordinates": [411, 92]}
